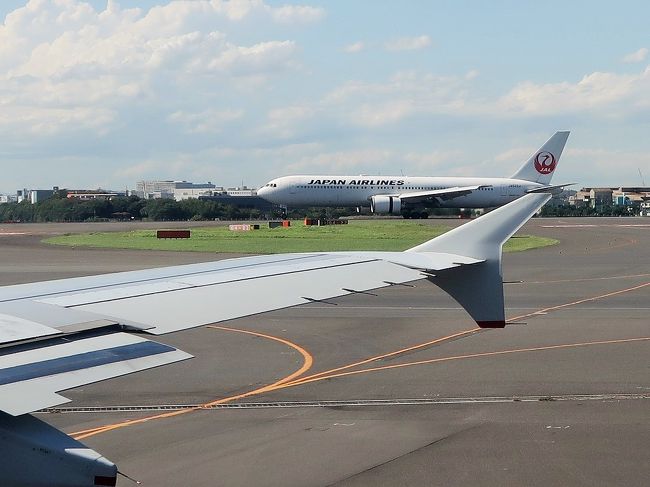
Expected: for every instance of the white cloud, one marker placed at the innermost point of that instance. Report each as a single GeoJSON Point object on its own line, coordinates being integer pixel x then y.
{"type": "Point", "coordinates": [383, 113]}
{"type": "Point", "coordinates": [355, 47]}
{"type": "Point", "coordinates": [342, 161]}
{"type": "Point", "coordinates": [139, 170]}
{"type": "Point", "coordinates": [414, 97]}
{"type": "Point", "coordinates": [408, 43]}
{"type": "Point", "coordinates": [403, 95]}
{"type": "Point", "coordinates": [376, 161]}
{"type": "Point", "coordinates": [515, 154]}
{"type": "Point", "coordinates": [636, 56]}
{"type": "Point", "coordinates": [66, 67]}
{"type": "Point", "coordinates": [434, 163]}
{"type": "Point", "coordinates": [284, 122]}
{"type": "Point", "coordinates": [49, 121]}
{"type": "Point", "coordinates": [609, 94]}
{"type": "Point", "coordinates": [264, 57]}
{"type": "Point", "coordinates": [606, 166]}
{"type": "Point", "coordinates": [222, 90]}
{"type": "Point", "coordinates": [206, 121]}
{"type": "Point", "coordinates": [407, 94]}
{"type": "Point", "coordinates": [297, 14]}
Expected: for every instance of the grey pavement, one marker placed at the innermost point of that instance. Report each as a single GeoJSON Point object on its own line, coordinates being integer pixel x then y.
{"type": "Point", "coordinates": [585, 353]}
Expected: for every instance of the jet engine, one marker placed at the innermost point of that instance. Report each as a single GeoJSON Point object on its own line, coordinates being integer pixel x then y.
{"type": "Point", "coordinates": [386, 204]}
{"type": "Point", "coordinates": [35, 454]}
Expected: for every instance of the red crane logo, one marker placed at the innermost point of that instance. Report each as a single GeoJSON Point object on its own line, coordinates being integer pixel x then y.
{"type": "Point", "coordinates": [545, 162]}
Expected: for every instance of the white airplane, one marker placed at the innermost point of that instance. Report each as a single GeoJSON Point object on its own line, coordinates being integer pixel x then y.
{"type": "Point", "coordinates": [410, 195]}
{"type": "Point", "coordinates": [57, 335]}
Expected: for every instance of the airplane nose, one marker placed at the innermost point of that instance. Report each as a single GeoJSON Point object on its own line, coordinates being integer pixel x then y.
{"type": "Point", "coordinates": [263, 191]}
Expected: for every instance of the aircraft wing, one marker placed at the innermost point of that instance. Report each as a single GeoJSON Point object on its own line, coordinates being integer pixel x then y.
{"type": "Point", "coordinates": [443, 194]}
{"type": "Point", "coordinates": [61, 334]}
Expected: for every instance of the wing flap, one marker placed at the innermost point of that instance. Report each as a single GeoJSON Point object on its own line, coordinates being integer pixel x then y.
{"type": "Point", "coordinates": [31, 376]}
{"type": "Point", "coordinates": [16, 328]}
{"type": "Point", "coordinates": [30, 320]}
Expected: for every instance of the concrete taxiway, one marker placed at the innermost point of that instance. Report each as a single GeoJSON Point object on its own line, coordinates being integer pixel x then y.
{"type": "Point", "coordinates": [398, 388]}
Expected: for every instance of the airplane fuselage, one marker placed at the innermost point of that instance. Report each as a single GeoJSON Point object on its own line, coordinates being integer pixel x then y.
{"type": "Point", "coordinates": [319, 190]}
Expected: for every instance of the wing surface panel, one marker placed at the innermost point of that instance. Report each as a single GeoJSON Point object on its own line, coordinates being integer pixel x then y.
{"type": "Point", "coordinates": [187, 308]}
{"type": "Point", "coordinates": [16, 328]}
{"type": "Point", "coordinates": [121, 279]}
{"type": "Point", "coordinates": [26, 320]}
{"type": "Point", "coordinates": [30, 377]}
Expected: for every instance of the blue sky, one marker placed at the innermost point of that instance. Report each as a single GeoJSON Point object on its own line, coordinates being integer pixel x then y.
{"type": "Point", "coordinates": [108, 93]}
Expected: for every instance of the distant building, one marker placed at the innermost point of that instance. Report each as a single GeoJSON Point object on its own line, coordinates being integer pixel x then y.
{"type": "Point", "coordinates": [165, 189]}
{"type": "Point", "coordinates": [39, 195]}
{"type": "Point", "coordinates": [98, 194]}
{"type": "Point", "coordinates": [580, 199]}
{"type": "Point", "coordinates": [645, 208]}
{"type": "Point", "coordinates": [243, 191]}
{"type": "Point", "coordinates": [599, 197]}
{"type": "Point", "coordinates": [632, 197]}
{"type": "Point", "coordinates": [35, 195]}
{"type": "Point", "coordinates": [194, 193]}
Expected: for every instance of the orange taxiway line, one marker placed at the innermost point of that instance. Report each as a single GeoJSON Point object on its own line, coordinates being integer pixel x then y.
{"type": "Point", "coordinates": [329, 374]}
{"type": "Point", "coordinates": [580, 301]}
{"type": "Point", "coordinates": [467, 356]}
{"type": "Point", "coordinates": [390, 354]}
{"type": "Point", "coordinates": [307, 363]}
{"type": "Point", "coordinates": [585, 279]}
{"type": "Point", "coordinates": [283, 383]}
{"type": "Point", "coordinates": [289, 379]}
{"type": "Point", "coordinates": [308, 360]}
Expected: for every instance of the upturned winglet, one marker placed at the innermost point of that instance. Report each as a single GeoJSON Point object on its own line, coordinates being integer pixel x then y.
{"type": "Point", "coordinates": [479, 287]}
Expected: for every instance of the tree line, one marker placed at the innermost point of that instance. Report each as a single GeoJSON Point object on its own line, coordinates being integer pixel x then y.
{"type": "Point", "coordinates": [63, 209]}
{"type": "Point", "coordinates": [604, 210]}
{"type": "Point", "coordinates": [59, 208]}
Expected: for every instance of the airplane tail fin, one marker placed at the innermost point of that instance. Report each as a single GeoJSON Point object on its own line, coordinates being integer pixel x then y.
{"type": "Point", "coordinates": [479, 287]}
{"type": "Point", "coordinates": [541, 165]}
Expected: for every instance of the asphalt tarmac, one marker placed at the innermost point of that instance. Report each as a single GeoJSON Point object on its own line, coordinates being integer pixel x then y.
{"type": "Point", "coordinates": [396, 389]}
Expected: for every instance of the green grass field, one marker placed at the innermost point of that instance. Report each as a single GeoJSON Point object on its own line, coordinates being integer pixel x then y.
{"type": "Point", "coordinates": [358, 235]}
